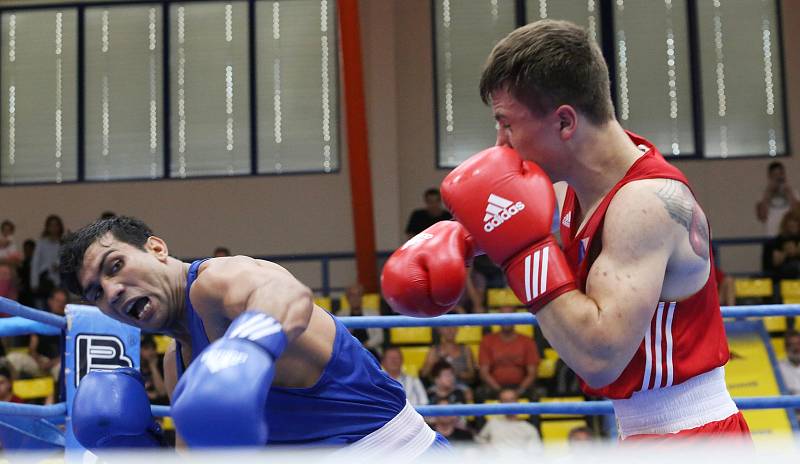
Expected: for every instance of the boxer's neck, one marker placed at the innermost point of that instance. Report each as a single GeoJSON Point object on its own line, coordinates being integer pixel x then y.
{"type": "Point", "coordinates": [605, 155]}
{"type": "Point", "coordinates": [178, 326]}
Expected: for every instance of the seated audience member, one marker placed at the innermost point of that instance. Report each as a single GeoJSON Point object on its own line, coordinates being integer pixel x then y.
{"type": "Point", "coordinates": [451, 427]}
{"type": "Point", "coordinates": [8, 281]}
{"type": "Point", "coordinates": [221, 251]}
{"type": "Point", "coordinates": [9, 252]}
{"type": "Point", "coordinates": [371, 338]}
{"type": "Point", "coordinates": [509, 432]}
{"type": "Point", "coordinates": [786, 249]}
{"type": "Point", "coordinates": [44, 264]}
{"type": "Point", "coordinates": [6, 390]}
{"type": "Point", "coordinates": [26, 296]}
{"type": "Point", "coordinates": [432, 213]}
{"type": "Point", "coordinates": [458, 355]}
{"type": "Point", "coordinates": [725, 287]}
{"type": "Point", "coordinates": [152, 366]}
{"type": "Point", "coordinates": [46, 349]}
{"type": "Point", "coordinates": [790, 367]}
{"type": "Point", "coordinates": [445, 386]}
{"type": "Point", "coordinates": [580, 436]}
{"type": "Point", "coordinates": [508, 359]}
{"type": "Point", "coordinates": [392, 363]}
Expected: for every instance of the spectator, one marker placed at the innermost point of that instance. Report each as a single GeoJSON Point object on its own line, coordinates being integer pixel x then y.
{"type": "Point", "coordinates": [8, 281]}
{"type": "Point", "coordinates": [778, 199]}
{"type": "Point", "coordinates": [371, 338]}
{"type": "Point", "coordinates": [725, 287]}
{"type": "Point", "coordinates": [509, 432]}
{"type": "Point", "coordinates": [152, 366]}
{"type": "Point", "coordinates": [392, 362]}
{"type": "Point", "coordinates": [44, 265]}
{"type": "Point", "coordinates": [8, 247]}
{"type": "Point", "coordinates": [458, 355]}
{"type": "Point", "coordinates": [6, 390]}
{"type": "Point", "coordinates": [450, 427]}
{"type": "Point", "coordinates": [432, 213]}
{"type": "Point", "coordinates": [445, 386]}
{"type": "Point", "coordinates": [26, 296]}
{"type": "Point", "coordinates": [46, 349]}
{"type": "Point", "coordinates": [508, 359]}
{"type": "Point", "coordinates": [580, 436]}
{"type": "Point", "coordinates": [786, 248]}
{"type": "Point", "coordinates": [221, 251]}
{"type": "Point", "coordinates": [790, 367]}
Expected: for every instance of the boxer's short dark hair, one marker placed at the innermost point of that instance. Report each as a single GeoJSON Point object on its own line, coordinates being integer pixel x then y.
{"type": "Point", "coordinates": [550, 63]}
{"type": "Point", "coordinates": [125, 229]}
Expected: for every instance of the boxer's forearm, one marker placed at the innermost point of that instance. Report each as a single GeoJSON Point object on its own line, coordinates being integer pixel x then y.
{"type": "Point", "coordinates": [586, 337]}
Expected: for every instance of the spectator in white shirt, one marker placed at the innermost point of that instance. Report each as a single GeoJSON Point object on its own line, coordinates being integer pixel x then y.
{"type": "Point", "coordinates": [392, 362]}
{"type": "Point", "coordinates": [44, 265]}
{"type": "Point", "coordinates": [778, 198]}
{"type": "Point", "coordinates": [790, 367]}
{"type": "Point", "coordinates": [509, 432]}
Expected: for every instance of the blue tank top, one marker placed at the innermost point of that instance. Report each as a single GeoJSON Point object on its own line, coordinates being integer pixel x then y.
{"type": "Point", "coordinates": [352, 398]}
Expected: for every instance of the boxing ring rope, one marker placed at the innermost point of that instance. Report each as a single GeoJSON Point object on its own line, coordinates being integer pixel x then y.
{"type": "Point", "coordinates": [456, 320]}
{"type": "Point", "coordinates": [43, 322]}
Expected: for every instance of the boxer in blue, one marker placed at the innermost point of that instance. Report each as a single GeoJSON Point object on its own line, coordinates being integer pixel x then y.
{"type": "Point", "coordinates": [254, 361]}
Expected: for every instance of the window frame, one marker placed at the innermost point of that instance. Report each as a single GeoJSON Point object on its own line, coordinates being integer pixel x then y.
{"type": "Point", "coordinates": [607, 45]}
{"type": "Point", "coordinates": [166, 103]}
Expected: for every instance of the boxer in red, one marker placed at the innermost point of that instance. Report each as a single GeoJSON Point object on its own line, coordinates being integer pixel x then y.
{"type": "Point", "coordinates": [630, 302]}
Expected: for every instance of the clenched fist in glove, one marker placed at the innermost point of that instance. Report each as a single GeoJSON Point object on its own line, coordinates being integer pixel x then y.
{"type": "Point", "coordinates": [507, 206]}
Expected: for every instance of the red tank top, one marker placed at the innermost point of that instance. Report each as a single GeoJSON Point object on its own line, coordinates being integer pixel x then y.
{"type": "Point", "coordinates": [685, 338]}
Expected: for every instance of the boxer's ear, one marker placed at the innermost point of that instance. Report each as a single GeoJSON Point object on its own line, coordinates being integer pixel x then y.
{"type": "Point", "coordinates": [157, 247]}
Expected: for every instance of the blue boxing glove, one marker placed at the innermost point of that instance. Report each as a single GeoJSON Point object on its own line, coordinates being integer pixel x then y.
{"type": "Point", "coordinates": [221, 398]}
{"type": "Point", "coordinates": [112, 410]}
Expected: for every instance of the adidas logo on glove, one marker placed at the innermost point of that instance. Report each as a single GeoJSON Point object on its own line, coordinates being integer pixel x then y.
{"type": "Point", "coordinates": [498, 211]}
{"type": "Point", "coordinates": [218, 360]}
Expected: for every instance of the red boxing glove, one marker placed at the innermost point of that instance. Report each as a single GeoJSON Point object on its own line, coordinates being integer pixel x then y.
{"type": "Point", "coordinates": [426, 276]}
{"type": "Point", "coordinates": [507, 204]}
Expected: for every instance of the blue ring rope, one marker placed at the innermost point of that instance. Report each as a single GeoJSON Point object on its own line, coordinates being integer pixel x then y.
{"type": "Point", "coordinates": [584, 408]}
{"type": "Point", "coordinates": [451, 320]}
{"type": "Point", "coordinates": [32, 410]}
{"type": "Point", "coordinates": [16, 309]}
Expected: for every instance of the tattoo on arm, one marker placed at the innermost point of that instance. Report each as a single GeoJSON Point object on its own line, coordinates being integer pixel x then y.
{"type": "Point", "coordinates": [684, 210]}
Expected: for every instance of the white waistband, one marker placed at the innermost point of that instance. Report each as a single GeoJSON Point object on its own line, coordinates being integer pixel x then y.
{"type": "Point", "coordinates": [403, 439]}
{"type": "Point", "coordinates": [695, 402]}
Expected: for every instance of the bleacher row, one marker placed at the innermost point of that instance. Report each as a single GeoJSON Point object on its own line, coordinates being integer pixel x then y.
{"type": "Point", "coordinates": [414, 342]}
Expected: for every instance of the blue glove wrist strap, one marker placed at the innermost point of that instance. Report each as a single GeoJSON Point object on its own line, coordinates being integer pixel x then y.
{"type": "Point", "coordinates": [261, 329]}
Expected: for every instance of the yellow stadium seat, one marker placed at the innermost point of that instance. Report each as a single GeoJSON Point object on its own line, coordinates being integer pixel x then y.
{"type": "Point", "coordinates": [496, 297]}
{"type": "Point", "coordinates": [162, 342]}
{"type": "Point", "coordinates": [560, 399]}
{"type": "Point", "coordinates": [29, 389]}
{"type": "Point", "coordinates": [550, 353]}
{"type": "Point", "coordinates": [779, 347]}
{"type": "Point", "coordinates": [410, 335]}
{"type": "Point", "coordinates": [368, 301]}
{"type": "Point", "coordinates": [17, 349]}
{"type": "Point", "coordinates": [469, 335]}
{"type": "Point", "coordinates": [548, 364]}
{"type": "Point", "coordinates": [324, 302]}
{"type": "Point", "coordinates": [413, 358]}
{"type": "Point", "coordinates": [753, 288]}
{"type": "Point", "coordinates": [556, 431]}
{"type": "Point", "coordinates": [775, 323]}
{"type": "Point", "coordinates": [167, 424]}
{"type": "Point", "coordinates": [790, 288]}
{"type": "Point", "coordinates": [476, 350]}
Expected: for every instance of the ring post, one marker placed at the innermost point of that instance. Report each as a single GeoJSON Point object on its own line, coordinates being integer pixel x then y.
{"type": "Point", "coordinates": [93, 342]}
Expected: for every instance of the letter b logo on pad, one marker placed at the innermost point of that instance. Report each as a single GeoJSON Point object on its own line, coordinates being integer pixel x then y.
{"type": "Point", "coordinates": [98, 352]}
{"type": "Point", "coordinates": [498, 211]}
